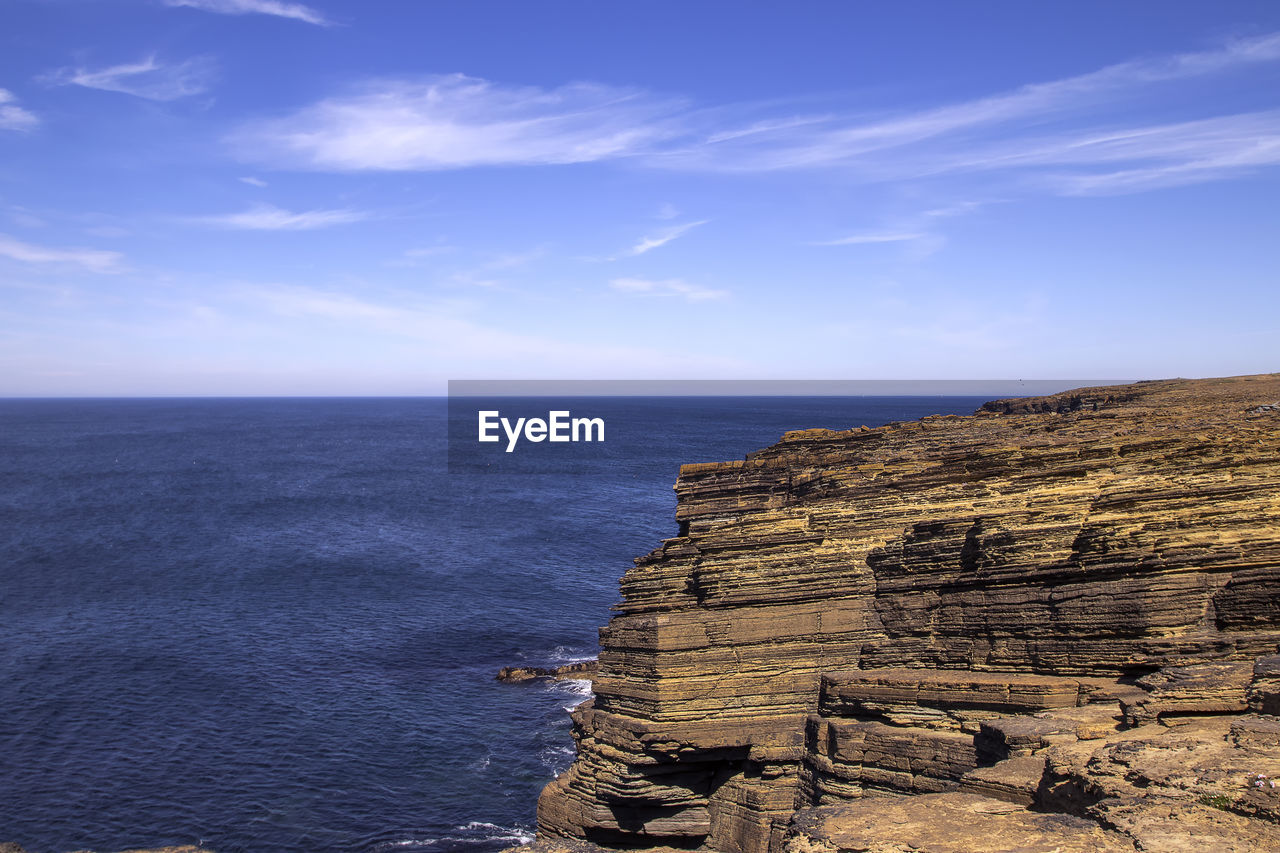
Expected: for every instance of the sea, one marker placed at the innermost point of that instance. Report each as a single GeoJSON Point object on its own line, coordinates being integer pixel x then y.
{"type": "Point", "coordinates": [273, 625]}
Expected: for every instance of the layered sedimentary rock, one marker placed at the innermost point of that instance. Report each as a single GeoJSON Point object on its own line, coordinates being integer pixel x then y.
{"type": "Point", "coordinates": [960, 609]}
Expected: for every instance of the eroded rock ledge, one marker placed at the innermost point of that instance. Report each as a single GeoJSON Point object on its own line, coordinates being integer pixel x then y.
{"type": "Point", "coordinates": [523, 674]}
{"type": "Point", "coordinates": [1050, 625]}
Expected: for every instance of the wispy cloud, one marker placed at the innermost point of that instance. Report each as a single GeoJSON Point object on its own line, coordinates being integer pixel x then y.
{"type": "Point", "coordinates": [448, 331]}
{"type": "Point", "coordinates": [513, 260]}
{"type": "Point", "coordinates": [958, 208]}
{"type": "Point", "coordinates": [662, 238]}
{"type": "Point", "coordinates": [455, 122]}
{"type": "Point", "coordinates": [25, 218]}
{"type": "Point", "coordinates": [266, 217]}
{"type": "Point", "coordinates": [111, 232]}
{"type": "Point", "coordinates": [491, 272]}
{"type": "Point", "coordinates": [418, 256]}
{"type": "Point", "coordinates": [1137, 159]}
{"type": "Point", "coordinates": [920, 229]}
{"type": "Point", "coordinates": [427, 251]}
{"type": "Point", "coordinates": [296, 11]}
{"type": "Point", "coordinates": [94, 260]}
{"type": "Point", "coordinates": [960, 327]}
{"type": "Point", "coordinates": [835, 140]}
{"type": "Point", "coordinates": [253, 182]}
{"type": "Point", "coordinates": [14, 117]}
{"type": "Point", "coordinates": [766, 127]}
{"type": "Point", "coordinates": [1077, 135]}
{"type": "Point", "coordinates": [673, 286]}
{"type": "Point", "coordinates": [147, 78]}
{"type": "Point", "coordinates": [872, 237]}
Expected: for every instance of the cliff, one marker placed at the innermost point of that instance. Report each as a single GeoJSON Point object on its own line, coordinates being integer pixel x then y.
{"type": "Point", "coordinates": [1048, 623]}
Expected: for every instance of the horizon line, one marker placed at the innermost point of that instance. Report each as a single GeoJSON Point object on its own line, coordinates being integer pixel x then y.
{"type": "Point", "coordinates": [628, 388]}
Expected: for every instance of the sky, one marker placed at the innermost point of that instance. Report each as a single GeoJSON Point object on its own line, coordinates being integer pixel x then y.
{"type": "Point", "coordinates": [264, 197]}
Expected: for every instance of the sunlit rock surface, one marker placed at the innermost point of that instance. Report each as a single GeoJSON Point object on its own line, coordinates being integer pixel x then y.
{"type": "Point", "coordinates": [876, 639]}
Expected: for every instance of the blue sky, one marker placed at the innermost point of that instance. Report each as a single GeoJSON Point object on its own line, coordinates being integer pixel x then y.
{"type": "Point", "coordinates": [269, 197]}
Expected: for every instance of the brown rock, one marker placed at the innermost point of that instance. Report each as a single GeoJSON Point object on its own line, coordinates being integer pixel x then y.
{"type": "Point", "coordinates": [520, 674]}
{"type": "Point", "coordinates": [1014, 780]}
{"type": "Point", "coordinates": [1209, 688]}
{"type": "Point", "coordinates": [1261, 731]}
{"type": "Point", "coordinates": [1199, 760]}
{"type": "Point", "coordinates": [1172, 826]}
{"type": "Point", "coordinates": [890, 609]}
{"type": "Point", "coordinates": [1264, 688]}
{"type": "Point", "coordinates": [944, 823]}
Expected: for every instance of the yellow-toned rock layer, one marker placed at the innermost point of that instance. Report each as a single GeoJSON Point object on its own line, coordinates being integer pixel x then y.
{"type": "Point", "coordinates": [905, 610]}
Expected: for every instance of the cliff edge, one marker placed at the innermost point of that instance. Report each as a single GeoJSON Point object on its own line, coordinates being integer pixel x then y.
{"type": "Point", "coordinates": [1052, 624]}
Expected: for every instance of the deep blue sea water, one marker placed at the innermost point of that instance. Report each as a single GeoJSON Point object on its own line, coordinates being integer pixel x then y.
{"type": "Point", "coordinates": [273, 625]}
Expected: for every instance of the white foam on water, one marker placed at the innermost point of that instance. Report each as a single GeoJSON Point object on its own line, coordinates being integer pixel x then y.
{"type": "Point", "coordinates": [569, 654]}
{"type": "Point", "coordinates": [416, 843]}
{"type": "Point", "coordinates": [577, 688]}
{"type": "Point", "coordinates": [475, 832]}
{"type": "Point", "coordinates": [556, 758]}
{"type": "Point", "coordinates": [494, 832]}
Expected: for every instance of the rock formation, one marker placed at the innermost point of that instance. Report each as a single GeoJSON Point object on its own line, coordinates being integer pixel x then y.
{"type": "Point", "coordinates": [584, 670]}
{"type": "Point", "coordinates": [1049, 625]}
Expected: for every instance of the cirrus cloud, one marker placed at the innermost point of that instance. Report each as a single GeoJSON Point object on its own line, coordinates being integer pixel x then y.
{"type": "Point", "coordinates": [276, 8]}
{"type": "Point", "coordinates": [12, 116]}
{"type": "Point", "coordinates": [266, 217]}
{"type": "Point", "coordinates": [1081, 134]}
{"type": "Point", "coordinates": [148, 78]}
{"type": "Point", "coordinates": [455, 122]}
{"type": "Point", "coordinates": [669, 286]}
{"type": "Point", "coordinates": [662, 237]}
{"type": "Point", "coordinates": [93, 260]}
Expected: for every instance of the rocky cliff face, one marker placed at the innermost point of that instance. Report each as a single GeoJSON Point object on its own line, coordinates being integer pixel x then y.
{"type": "Point", "coordinates": [1048, 604]}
